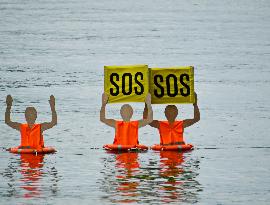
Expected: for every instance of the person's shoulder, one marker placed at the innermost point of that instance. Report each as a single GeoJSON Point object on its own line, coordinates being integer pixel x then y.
{"type": "Point", "coordinates": [119, 121]}
{"type": "Point", "coordinates": [179, 122]}
{"type": "Point", "coordinates": [134, 121]}
{"type": "Point", "coordinates": [23, 126]}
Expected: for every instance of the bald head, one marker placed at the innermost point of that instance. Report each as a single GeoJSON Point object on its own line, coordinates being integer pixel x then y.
{"type": "Point", "coordinates": [126, 112]}
{"type": "Point", "coordinates": [171, 112]}
{"type": "Point", "coordinates": [30, 115]}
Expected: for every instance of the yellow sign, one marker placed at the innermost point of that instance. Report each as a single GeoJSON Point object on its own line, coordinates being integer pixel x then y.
{"type": "Point", "coordinates": [126, 83]}
{"type": "Point", "coordinates": [172, 85]}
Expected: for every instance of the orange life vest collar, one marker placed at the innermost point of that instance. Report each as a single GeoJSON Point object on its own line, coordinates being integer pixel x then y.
{"type": "Point", "coordinates": [171, 134]}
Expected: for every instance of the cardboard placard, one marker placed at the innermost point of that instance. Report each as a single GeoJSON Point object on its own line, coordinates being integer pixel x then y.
{"type": "Point", "coordinates": [126, 83]}
{"type": "Point", "coordinates": [172, 85]}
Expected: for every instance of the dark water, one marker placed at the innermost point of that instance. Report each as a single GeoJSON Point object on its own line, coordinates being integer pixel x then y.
{"type": "Point", "coordinates": [60, 48]}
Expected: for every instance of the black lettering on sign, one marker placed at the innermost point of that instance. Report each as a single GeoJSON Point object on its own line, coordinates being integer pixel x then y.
{"type": "Point", "coordinates": [129, 85]}
{"type": "Point", "coordinates": [175, 87]}
{"type": "Point", "coordinates": [158, 79]}
{"type": "Point", "coordinates": [115, 84]}
{"type": "Point", "coordinates": [139, 75]}
{"type": "Point", "coordinates": [187, 93]}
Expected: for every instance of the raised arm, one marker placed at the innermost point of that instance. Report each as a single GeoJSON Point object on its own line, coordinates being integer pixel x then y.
{"type": "Point", "coordinates": [149, 118]}
{"type": "Point", "coordinates": [196, 118]}
{"type": "Point", "coordinates": [48, 125]}
{"type": "Point", "coordinates": [109, 122]}
{"type": "Point", "coordinates": [14, 125]}
{"type": "Point", "coordinates": [154, 123]}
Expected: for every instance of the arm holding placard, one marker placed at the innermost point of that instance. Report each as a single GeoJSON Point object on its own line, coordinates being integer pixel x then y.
{"type": "Point", "coordinates": [197, 116]}
{"type": "Point", "coordinates": [154, 123]}
{"type": "Point", "coordinates": [149, 118]}
{"type": "Point", "coordinates": [109, 122]}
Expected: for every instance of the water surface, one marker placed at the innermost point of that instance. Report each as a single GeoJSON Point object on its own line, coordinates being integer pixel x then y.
{"type": "Point", "coordinates": [60, 48]}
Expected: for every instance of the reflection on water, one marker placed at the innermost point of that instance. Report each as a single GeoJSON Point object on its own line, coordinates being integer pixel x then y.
{"type": "Point", "coordinates": [167, 177]}
{"type": "Point", "coordinates": [31, 170]}
{"type": "Point", "coordinates": [170, 170]}
{"type": "Point", "coordinates": [127, 164]}
{"type": "Point", "coordinates": [180, 183]}
{"type": "Point", "coordinates": [29, 177]}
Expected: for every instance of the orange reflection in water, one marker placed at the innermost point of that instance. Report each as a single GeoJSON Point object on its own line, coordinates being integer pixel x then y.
{"type": "Point", "coordinates": [128, 164]}
{"type": "Point", "coordinates": [31, 166]}
{"type": "Point", "coordinates": [171, 170]}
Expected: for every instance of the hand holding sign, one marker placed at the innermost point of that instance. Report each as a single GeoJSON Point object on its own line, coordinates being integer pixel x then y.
{"type": "Point", "coordinates": [105, 99]}
{"type": "Point", "coordinates": [195, 99]}
{"type": "Point", "coordinates": [148, 99]}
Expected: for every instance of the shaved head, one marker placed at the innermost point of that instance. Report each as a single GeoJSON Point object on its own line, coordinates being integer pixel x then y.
{"type": "Point", "coordinates": [126, 112]}
{"type": "Point", "coordinates": [171, 112]}
{"type": "Point", "coordinates": [30, 115]}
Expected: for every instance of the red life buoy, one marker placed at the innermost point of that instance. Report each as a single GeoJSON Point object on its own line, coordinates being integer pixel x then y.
{"type": "Point", "coordinates": [114, 147]}
{"type": "Point", "coordinates": [19, 150]}
{"type": "Point", "coordinates": [183, 147]}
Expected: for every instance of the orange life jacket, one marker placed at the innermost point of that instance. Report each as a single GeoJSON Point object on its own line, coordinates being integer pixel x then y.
{"type": "Point", "coordinates": [171, 134]}
{"type": "Point", "coordinates": [126, 133]}
{"type": "Point", "coordinates": [32, 136]}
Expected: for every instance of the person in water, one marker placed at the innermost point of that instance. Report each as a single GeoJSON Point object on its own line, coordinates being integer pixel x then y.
{"type": "Point", "coordinates": [31, 133]}
{"type": "Point", "coordinates": [126, 131]}
{"type": "Point", "coordinates": [171, 131]}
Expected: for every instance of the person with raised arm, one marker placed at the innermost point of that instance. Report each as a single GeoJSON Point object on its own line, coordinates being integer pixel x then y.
{"type": "Point", "coordinates": [171, 131]}
{"type": "Point", "coordinates": [126, 130]}
{"type": "Point", "coordinates": [31, 132]}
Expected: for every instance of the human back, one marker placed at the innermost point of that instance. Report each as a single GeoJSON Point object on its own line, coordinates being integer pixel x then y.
{"type": "Point", "coordinates": [171, 130]}
{"type": "Point", "coordinates": [171, 133]}
{"type": "Point", "coordinates": [126, 130]}
{"type": "Point", "coordinates": [31, 132]}
{"type": "Point", "coordinates": [31, 137]}
{"type": "Point", "coordinates": [126, 133]}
